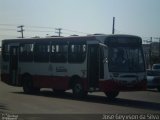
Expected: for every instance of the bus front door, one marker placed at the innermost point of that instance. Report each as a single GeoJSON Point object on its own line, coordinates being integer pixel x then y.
{"type": "Point", "coordinates": [13, 67]}
{"type": "Point", "coordinates": [93, 66]}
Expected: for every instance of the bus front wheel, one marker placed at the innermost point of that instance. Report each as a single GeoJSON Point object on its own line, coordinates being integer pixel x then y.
{"type": "Point", "coordinates": [28, 85]}
{"type": "Point", "coordinates": [158, 88]}
{"type": "Point", "coordinates": [112, 94]}
{"type": "Point", "coordinates": [78, 90]}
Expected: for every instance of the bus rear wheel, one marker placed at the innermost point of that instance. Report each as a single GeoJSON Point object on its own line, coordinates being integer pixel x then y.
{"type": "Point", "coordinates": [158, 88]}
{"type": "Point", "coordinates": [28, 85]}
{"type": "Point", "coordinates": [112, 94]}
{"type": "Point", "coordinates": [78, 90]}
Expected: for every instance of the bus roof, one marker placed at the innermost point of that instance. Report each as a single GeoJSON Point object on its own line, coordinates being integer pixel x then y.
{"type": "Point", "coordinates": [87, 38]}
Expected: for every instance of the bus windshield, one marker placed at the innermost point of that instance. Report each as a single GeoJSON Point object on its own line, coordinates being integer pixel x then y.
{"type": "Point", "coordinates": [126, 59]}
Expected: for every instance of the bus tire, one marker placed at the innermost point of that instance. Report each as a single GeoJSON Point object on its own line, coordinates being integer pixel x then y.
{"type": "Point", "coordinates": [112, 94]}
{"type": "Point", "coordinates": [28, 85]}
{"type": "Point", "coordinates": [78, 90]}
{"type": "Point", "coordinates": [158, 88]}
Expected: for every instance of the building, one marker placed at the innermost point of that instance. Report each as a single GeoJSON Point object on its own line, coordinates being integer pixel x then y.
{"type": "Point", "coordinates": [151, 51]}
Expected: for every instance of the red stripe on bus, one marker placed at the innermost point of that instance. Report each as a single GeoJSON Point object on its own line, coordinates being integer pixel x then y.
{"type": "Point", "coordinates": [62, 82]}
{"type": "Point", "coordinates": [56, 82]}
{"type": "Point", "coordinates": [42, 81]}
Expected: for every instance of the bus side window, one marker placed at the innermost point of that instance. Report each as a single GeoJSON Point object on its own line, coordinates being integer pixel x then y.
{"type": "Point", "coordinates": [26, 52]}
{"type": "Point", "coordinates": [41, 52]}
{"type": "Point", "coordinates": [59, 53]}
{"type": "Point", "coordinates": [77, 53]}
{"type": "Point", "coordinates": [5, 52]}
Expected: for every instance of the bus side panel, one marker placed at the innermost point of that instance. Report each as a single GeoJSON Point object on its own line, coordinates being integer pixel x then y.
{"type": "Point", "coordinates": [56, 82]}
{"type": "Point", "coordinates": [5, 72]}
{"type": "Point", "coordinates": [5, 77]}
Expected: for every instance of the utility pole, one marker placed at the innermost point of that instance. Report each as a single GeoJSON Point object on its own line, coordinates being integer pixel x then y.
{"type": "Point", "coordinates": [158, 45]}
{"type": "Point", "coordinates": [113, 30]}
{"type": "Point", "coordinates": [150, 52]}
{"type": "Point", "coordinates": [21, 30]}
{"type": "Point", "coordinates": [59, 31]}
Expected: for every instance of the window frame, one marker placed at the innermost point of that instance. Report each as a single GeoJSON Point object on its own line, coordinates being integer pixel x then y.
{"type": "Point", "coordinates": [58, 56]}
{"type": "Point", "coordinates": [77, 57]}
{"type": "Point", "coordinates": [26, 55]}
{"type": "Point", "coordinates": [40, 55]}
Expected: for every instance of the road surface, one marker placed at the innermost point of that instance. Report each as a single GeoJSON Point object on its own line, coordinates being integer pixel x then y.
{"type": "Point", "coordinates": [14, 101]}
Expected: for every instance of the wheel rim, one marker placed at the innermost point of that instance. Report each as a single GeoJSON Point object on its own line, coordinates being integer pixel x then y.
{"type": "Point", "coordinates": [78, 88]}
{"type": "Point", "coordinates": [112, 95]}
{"type": "Point", "coordinates": [27, 86]}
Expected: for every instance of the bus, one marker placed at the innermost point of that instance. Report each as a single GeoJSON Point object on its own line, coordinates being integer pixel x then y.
{"type": "Point", "coordinates": [92, 63]}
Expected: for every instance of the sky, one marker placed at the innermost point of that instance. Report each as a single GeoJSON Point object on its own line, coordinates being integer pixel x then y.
{"type": "Point", "coordinates": [41, 17]}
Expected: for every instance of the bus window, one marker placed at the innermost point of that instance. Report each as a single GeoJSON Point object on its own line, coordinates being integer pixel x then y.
{"type": "Point", "coordinates": [77, 53]}
{"type": "Point", "coordinates": [126, 59]}
{"type": "Point", "coordinates": [26, 52]}
{"type": "Point", "coordinates": [41, 52]}
{"type": "Point", "coordinates": [59, 53]}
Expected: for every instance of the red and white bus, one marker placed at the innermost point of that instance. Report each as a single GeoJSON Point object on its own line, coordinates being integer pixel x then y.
{"type": "Point", "coordinates": [106, 63]}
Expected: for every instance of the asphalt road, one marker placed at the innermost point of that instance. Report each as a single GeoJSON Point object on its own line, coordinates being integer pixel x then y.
{"type": "Point", "coordinates": [13, 100]}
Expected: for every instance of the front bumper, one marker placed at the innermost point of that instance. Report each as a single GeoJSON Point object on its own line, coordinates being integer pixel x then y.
{"type": "Point", "coordinates": [114, 85]}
